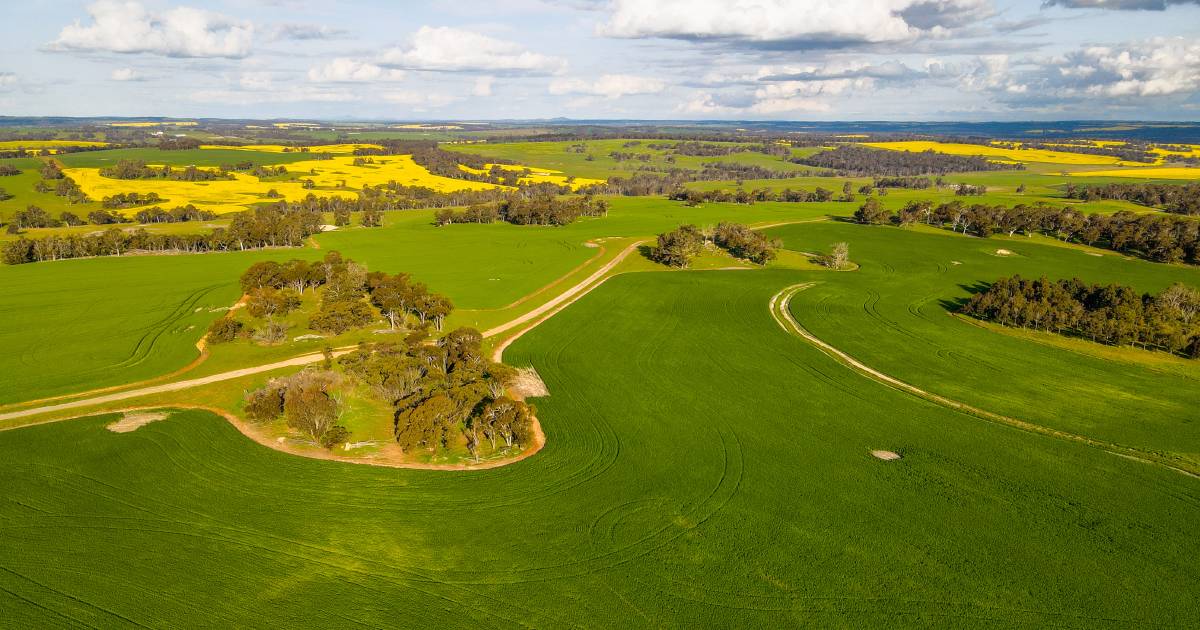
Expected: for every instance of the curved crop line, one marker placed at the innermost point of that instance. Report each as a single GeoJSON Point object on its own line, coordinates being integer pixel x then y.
{"type": "Point", "coordinates": [778, 306]}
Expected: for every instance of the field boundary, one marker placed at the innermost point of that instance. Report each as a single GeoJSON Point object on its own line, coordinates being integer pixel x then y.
{"type": "Point", "coordinates": [780, 312]}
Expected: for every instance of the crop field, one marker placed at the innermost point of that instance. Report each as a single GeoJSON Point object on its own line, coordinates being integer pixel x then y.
{"type": "Point", "coordinates": [10, 145]}
{"type": "Point", "coordinates": [74, 325]}
{"type": "Point", "coordinates": [675, 485]}
{"type": "Point", "coordinates": [892, 315]}
{"type": "Point", "coordinates": [1150, 172]}
{"type": "Point", "coordinates": [1015, 155]}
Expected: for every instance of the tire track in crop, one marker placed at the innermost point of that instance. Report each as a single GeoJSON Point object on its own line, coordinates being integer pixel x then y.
{"type": "Point", "coordinates": [779, 308]}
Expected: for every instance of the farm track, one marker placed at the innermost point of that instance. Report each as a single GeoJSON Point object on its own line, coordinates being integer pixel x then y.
{"type": "Point", "coordinates": [778, 307]}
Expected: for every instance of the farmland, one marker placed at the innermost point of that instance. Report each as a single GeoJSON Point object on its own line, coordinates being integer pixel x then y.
{"type": "Point", "coordinates": [703, 464]}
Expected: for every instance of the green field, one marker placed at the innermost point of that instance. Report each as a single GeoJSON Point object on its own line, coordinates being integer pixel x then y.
{"type": "Point", "coordinates": [703, 466]}
{"type": "Point", "coordinates": [679, 487]}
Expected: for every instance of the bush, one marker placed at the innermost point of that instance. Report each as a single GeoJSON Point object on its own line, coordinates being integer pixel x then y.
{"type": "Point", "coordinates": [224, 330]}
{"type": "Point", "coordinates": [264, 404]}
{"type": "Point", "coordinates": [337, 434]}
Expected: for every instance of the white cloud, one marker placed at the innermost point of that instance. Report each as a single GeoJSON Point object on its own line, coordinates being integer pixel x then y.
{"type": "Point", "coordinates": [609, 86]}
{"type": "Point", "coordinates": [1135, 71]}
{"type": "Point", "coordinates": [791, 23]}
{"type": "Point", "coordinates": [125, 74]}
{"type": "Point", "coordinates": [483, 86]}
{"type": "Point", "coordinates": [453, 50]}
{"type": "Point", "coordinates": [302, 32]}
{"type": "Point", "coordinates": [287, 94]}
{"type": "Point", "coordinates": [127, 27]}
{"type": "Point", "coordinates": [7, 79]}
{"type": "Point", "coordinates": [346, 70]}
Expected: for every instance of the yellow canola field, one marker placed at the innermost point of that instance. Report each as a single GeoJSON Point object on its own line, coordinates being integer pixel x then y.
{"type": "Point", "coordinates": [10, 145]}
{"type": "Point", "coordinates": [1195, 151]}
{"type": "Point", "coordinates": [537, 175]}
{"type": "Point", "coordinates": [1017, 155]}
{"type": "Point", "coordinates": [278, 148]}
{"type": "Point", "coordinates": [1149, 172]}
{"type": "Point", "coordinates": [333, 177]}
{"type": "Point", "coordinates": [154, 124]}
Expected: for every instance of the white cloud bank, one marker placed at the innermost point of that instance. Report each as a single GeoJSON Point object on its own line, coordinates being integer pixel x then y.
{"type": "Point", "coordinates": [448, 49]}
{"type": "Point", "coordinates": [611, 86]}
{"type": "Point", "coordinates": [127, 27]}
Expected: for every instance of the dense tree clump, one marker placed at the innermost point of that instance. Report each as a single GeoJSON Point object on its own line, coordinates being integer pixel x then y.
{"type": "Point", "coordinates": [178, 214]}
{"type": "Point", "coordinates": [444, 391]}
{"type": "Point", "coordinates": [1174, 198]}
{"type": "Point", "coordinates": [8, 169]}
{"type": "Point", "coordinates": [678, 247]}
{"type": "Point", "coordinates": [857, 160]}
{"type": "Point", "coordinates": [252, 229]}
{"type": "Point", "coordinates": [137, 169]}
{"type": "Point", "coordinates": [914, 183]}
{"type": "Point", "coordinates": [1112, 314]}
{"type": "Point", "coordinates": [306, 400]}
{"type": "Point", "coordinates": [224, 330]}
{"type": "Point", "coordinates": [787, 195]}
{"type": "Point", "coordinates": [130, 200]}
{"type": "Point", "coordinates": [1156, 237]}
{"type": "Point", "coordinates": [742, 242]}
{"type": "Point", "coordinates": [523, 210]}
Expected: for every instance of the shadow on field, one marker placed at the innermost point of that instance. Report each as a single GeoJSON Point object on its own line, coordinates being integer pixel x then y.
{"type": "Point", "coordinates": [955, 305]}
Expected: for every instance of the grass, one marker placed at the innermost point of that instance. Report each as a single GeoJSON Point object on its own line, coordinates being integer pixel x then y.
{"type": "Point", "coordinates": [702, 469]}
{"type": "Point", "coordinates": [82, 324]}
{"type": "Point", "coordinates": [893, 315]}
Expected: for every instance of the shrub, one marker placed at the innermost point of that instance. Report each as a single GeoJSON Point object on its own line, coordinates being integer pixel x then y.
{"type": "Point", "coordinates": [224, 330]}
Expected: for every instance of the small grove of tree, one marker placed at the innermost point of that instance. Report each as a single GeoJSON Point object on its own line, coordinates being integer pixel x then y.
{"type": "Point", "coordinates": [130, 199]}
{"type": "Point", "coordinates": [787, 195]}
{"type": "Point", "coordinates": [224, 330]}
{"type": "Point", "coordinates": [1112, 314]}
{"type": "Point", "coordinates": [9, 169]}
{"type": "Point", "coordinates": [179, 214]}
{"type": "Point", "coordinates": [443, 391]}
{"type": "Point", "coordinates": [743, 242]}
{"type": "Point", "coordinates": [1157, 237]}
{"type": "Point", "coordinates": [837, 258]}
{"type": "Point", "coordinates": [307, 403]}
{"type": "Point", "coordinates": [1174, 198]}
{"type": "Point", "coordinates": [678, 247]}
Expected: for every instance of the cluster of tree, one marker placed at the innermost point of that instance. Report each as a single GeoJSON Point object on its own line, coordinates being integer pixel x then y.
{"type": "Point", "coordinates": [909, 182]}
{"type": "Point", "coordinates": [678, 247]}
{"type": "Point", "coordinates": [137, 169]}
{"type": "Point", "coordinates": [130, 200]}
{"type": "Point", "coordinates": [970, 190]}
{"type": "Point", "coordinates": [22, 152]}
{"type": "Point", "coordinates": [178, 144]}
{"type": "Point", "coordinates": [527, 210]}
{"type": "Point", "coordinates": [9, 169]}
{"type": "Point", "coordinates": [706, 149]}
{"type": "Point", "coordinates": [1156, 237]}
{"type": "Point", "coordinates": [252, 229]}
{"type": "Point", "coordinates": [1174, 198]}
{"type": "Point", "coordinates": [444, 391]}
{"type": "Point", "coordinates": [446, 163]}
{"type": "Point", "coordinates": [743, 242]}
{"type": "Point", "coordinates": [1112, 314]}
{"type": "Point", "coordinates": [788, 195]}
{"type": "Point", "coordinates": [5, 195]}
{"type": "Point", "coordinates": [178, 214]}
{"type": "Point", "coordinates": [857, 160]}
{"type": "Point", "coordinates": [306, 400]}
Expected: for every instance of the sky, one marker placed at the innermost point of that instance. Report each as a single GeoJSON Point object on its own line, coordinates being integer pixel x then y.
{"type": "Point", "coordinates": [604, 59]}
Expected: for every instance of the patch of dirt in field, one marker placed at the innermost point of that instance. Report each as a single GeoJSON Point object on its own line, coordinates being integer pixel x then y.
{"type": "Point", "coordinates": [1094, 254]}
{"type": "Point", "coordinates": [528, 383]}
{"type": "Point", "coordinates": [134, 420]}
{"type": "Point", "coordinates": [955, 262]}
{"type": "Point", "coordinates": [1003, 252]}
{"type": "Point", "coordinates": [887, 456]}
{"type": "Point", "coordinates": [591, 244]}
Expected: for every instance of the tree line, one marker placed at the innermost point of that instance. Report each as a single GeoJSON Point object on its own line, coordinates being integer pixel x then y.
{"type": "Point", "coordinates": [262, 227]}
{"type": "Point", "coordinates": [856, 160]}
{"type": "Point", "coordinates": [1156, 237]}
{"type": "Point", "coordinates": [522, 210]}
{"type": "Point", "coordinates": [1174, 198]}
{"type": "Point", "coordinates": [1111, 314]}
{"type": "Point", "coordinates": [678, 247]}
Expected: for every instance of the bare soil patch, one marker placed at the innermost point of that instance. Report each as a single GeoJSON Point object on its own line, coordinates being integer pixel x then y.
{"type": "Point", "coordinates": [887, 456]}
{"type": "Point", "coordinates": [134, 420]}
{"type": "Point", "coordinates": [528, 383]}
{"type": "Point", "coordinates": [1003, 252]}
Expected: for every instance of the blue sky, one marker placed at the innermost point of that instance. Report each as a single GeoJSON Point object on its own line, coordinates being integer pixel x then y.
{"type": "Point", "coordinates": [666, 59]}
